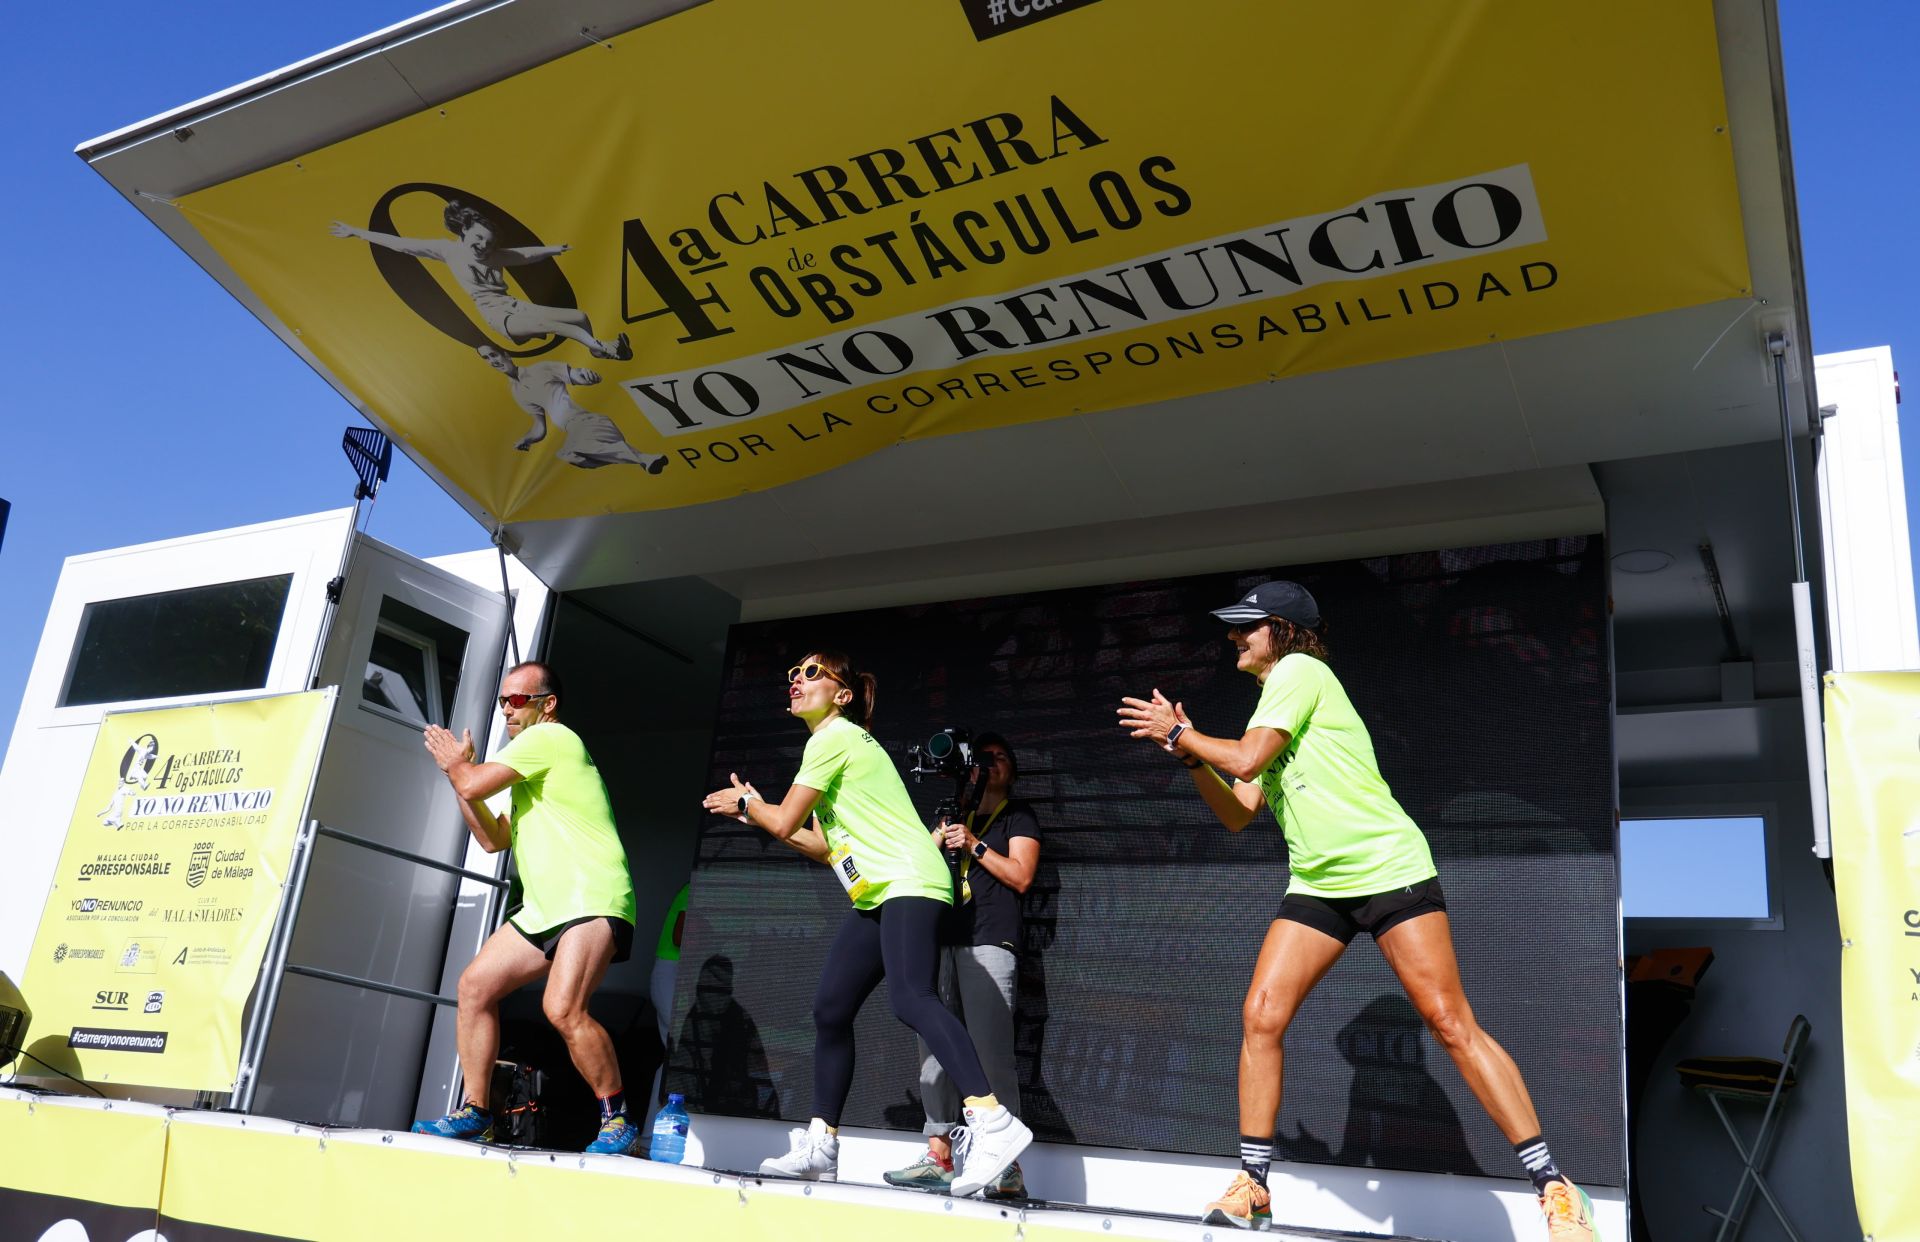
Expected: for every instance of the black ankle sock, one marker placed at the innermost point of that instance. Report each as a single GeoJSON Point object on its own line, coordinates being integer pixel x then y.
{"type": "Point", "coordinates": [614, 1105]}
{"type": "Point", "coordinates": [482, 1109]}
{"type": "Point", "coordinates": [1539, 1163]}
{"type": "Point", "coordinates": [1256, 1156]}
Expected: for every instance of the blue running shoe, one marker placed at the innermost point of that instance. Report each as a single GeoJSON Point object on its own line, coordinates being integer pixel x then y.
{"type": "Point", "coordinates": [618, 1137]}
{"type": "Point", "coordinates": [466, 1122]}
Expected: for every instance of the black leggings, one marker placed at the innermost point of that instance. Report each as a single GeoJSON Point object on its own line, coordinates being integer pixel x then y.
{"type": "Point", "coordinates": [898, 942]}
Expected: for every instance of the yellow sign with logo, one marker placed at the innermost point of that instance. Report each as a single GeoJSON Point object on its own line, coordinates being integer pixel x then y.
{"type": "Point", "coordinates": [167, 889]}
{"type": "Point", "coordinates": [1873, 789]}
{"type": "Point", "coordinates": [756, 240]}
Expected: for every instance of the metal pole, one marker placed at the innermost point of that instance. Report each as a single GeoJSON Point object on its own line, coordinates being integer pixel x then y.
{"type": "Point", "coordinates": [506, 589]}
{"type": "Point", "coordinates": [273, 971]}
{"type": "Point", "coordinates": [417, 859]}
{"type": "Point", "coordinates": [1777, 346]}
{"type": "Point", "coordinates": [1805, 651]}
{"type": "Point", "coordinates": [373, 985]}
{"type": "Point", "coordinates": [336, 591]}
{"type": "Point", "coordinates": [1810, 717]}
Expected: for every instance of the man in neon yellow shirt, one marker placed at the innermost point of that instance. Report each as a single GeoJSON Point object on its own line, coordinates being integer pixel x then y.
{"type": "Point", "coordinates": [1358, 863]}
{"type": "Point", "coordinates": [576, 916]}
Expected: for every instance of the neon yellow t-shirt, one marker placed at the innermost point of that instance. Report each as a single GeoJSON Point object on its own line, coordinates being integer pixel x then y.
{"type": "Point", "coordinates": [864, 808]}
{"type": "Point", "coordinates": [572, 865]}
{"type": "Point", "coordinates": [1346, 835]}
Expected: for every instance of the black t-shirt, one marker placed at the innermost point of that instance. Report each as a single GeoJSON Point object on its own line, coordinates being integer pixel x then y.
{"type": "Point", "coordinates": [992, 917]}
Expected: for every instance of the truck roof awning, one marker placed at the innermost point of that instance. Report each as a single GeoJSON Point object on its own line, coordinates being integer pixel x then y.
{"type": "Point", "coordinates": [1131, 268]}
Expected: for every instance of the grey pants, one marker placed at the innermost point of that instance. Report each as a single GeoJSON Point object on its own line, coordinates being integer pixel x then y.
{"type": "Point", "coordinates": [660, 991]}
{"type": "Point", "coordinates": [976, 983]}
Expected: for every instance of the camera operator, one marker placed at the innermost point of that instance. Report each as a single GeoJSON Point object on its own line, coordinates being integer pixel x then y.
{"type": "Point", "coordinates": [997, 845]}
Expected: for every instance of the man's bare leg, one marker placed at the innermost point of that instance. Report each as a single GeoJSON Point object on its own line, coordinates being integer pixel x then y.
{"type": "Point", "coordinates": [504, 965]}
{"type": "Point", "coordinates": [579, 964]}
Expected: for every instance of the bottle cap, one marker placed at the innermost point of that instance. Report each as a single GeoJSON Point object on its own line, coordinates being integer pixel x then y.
{"type": "Point", "coordinates": [675, 1098]}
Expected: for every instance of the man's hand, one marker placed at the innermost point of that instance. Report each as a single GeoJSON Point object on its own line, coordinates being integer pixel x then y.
{"type": "Point", "coordinates": [1152, 719]}
{"type": "Point", "coordinates": [341, 229]}
{"type": "Point", "coordinates": [447, 749]}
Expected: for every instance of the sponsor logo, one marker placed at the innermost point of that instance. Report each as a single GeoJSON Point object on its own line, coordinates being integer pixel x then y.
{"type": "Point", "coordinates": [208, 863]}
{"type": "Point", "coordinates": [203, 914]}
{"type": "Point", "coordinates": [154, 1001]}
{"type": "Point", "coordinates": [62, 953]}
{"type": "Point", "coordinates": [203, 955]}
{"type": "Point", "coordinates": [107, 905]}
{"type": "Point", "coordinates": [114, 1002]}
{"type": "Point", "coordinates": [198, 864]}
{"type": "Point", "coordinates": [108, 1040]}
{"type": "Point", "coordinates": [140, 957]}
{"type": "Point", "coordinates": [118, 864]}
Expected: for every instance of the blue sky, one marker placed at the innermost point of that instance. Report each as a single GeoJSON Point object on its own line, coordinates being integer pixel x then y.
{"type": "Point", "coordinates": [133, 365]}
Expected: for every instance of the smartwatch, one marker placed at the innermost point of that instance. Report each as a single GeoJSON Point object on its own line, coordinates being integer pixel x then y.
{"type": "Point", "coordinates": [1173, 735]}
{"type": "Point", "coordinates": [979, 849]}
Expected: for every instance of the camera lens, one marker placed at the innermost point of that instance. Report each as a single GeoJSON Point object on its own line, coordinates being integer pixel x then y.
{"type": "Point", "coordinates": [940, 745]}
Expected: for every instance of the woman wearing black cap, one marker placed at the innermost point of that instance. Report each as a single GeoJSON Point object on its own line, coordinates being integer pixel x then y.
{"type": "Point", "coordinates": [1359, 863]}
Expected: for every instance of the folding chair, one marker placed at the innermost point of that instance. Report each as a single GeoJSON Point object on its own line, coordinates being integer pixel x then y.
{"type": "Point", "coordinates": [1754, 1080]}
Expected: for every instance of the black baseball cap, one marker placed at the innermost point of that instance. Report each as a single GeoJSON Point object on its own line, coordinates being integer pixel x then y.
{"type": "Point", "coordinates": [1287, 600]}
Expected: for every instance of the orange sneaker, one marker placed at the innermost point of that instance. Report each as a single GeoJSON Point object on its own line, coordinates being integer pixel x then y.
{"type": "Point", "coordinates": [1569, 1213]}
{"type": "Point", "coordinates": [1246, 1205]}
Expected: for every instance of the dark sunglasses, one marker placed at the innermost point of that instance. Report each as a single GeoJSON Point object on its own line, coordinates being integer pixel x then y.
{"type": "Point", "coordinates": [812, 670]}
{"type": "Point", "coordinates": [518, 701]}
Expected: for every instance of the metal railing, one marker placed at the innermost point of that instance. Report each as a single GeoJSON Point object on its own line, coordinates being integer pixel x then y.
{"type": "Point", "coordinates": [275, 968]}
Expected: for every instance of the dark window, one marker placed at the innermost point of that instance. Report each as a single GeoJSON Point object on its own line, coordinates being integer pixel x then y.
{"type": "Point", "coordinates": [413, 667]}
{"type": "Point", "coordinates": [203, 640]}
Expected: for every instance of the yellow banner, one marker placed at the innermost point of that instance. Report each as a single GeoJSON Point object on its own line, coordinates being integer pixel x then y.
{"type": "Point", "coordinates": [1873, 790]}
{"type": "Point", "coordinates": [79, 1162]}
{"type": "Point", "coordinates": [167, 889]}
{"type": "Point", "coordinates": [757, 239]}
{"type": "Point", "coordinates": [270, 1181]}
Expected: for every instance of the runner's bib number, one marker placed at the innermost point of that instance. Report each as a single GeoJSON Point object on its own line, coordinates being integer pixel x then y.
{"type": "Point", "coordinates": [840, 858]}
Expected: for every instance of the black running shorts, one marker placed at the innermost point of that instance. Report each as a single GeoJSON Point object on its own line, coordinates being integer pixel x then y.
{"type": "Point", "coordinates": [1344, 917]}
{"type": "Point", "coordinates": [549, 940]}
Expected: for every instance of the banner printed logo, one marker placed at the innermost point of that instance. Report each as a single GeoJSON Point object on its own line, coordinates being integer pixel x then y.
{"type": "Point", "coordinates": [197, 864]}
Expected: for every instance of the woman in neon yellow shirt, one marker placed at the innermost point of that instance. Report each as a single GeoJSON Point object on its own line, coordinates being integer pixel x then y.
{"type": "Point", "coordinates": [848, 808]}
{"type": "Point", "coordinates": [1359, 864]}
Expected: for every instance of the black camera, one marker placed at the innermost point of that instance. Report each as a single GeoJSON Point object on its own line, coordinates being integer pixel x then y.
{"type": "Point", "coordinates": [949, 753]}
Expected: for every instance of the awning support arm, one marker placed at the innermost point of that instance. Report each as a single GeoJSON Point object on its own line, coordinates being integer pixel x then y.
{"type": "Point", "coordinates": [1805, 649]}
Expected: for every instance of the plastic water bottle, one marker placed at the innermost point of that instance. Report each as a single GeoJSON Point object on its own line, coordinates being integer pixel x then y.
{"type": "Point", "coordinates": [670, 1131]}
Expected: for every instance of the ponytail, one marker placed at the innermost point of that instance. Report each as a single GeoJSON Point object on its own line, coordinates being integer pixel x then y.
{"type": "Point", "coordinates": [866, 691]}
{"type": "Point", "coordinates": [864, 685]}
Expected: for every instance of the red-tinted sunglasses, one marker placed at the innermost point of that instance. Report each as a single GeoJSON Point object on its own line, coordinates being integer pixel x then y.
{"type": "Point", "coordinates": [518, 701]}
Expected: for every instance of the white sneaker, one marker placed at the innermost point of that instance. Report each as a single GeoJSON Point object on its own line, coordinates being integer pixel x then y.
{"type": "Point", "coordinates": [812, 1159]}
{"type": "Point", "coordinates": [984, 1147]}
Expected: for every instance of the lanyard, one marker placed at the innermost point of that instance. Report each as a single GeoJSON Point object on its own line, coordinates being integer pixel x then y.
{"type": "Point", "coordinates": [966, 860]}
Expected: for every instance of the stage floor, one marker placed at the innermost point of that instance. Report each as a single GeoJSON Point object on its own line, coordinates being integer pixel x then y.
{"type": "Point", "coordinates": [197, 1176]}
